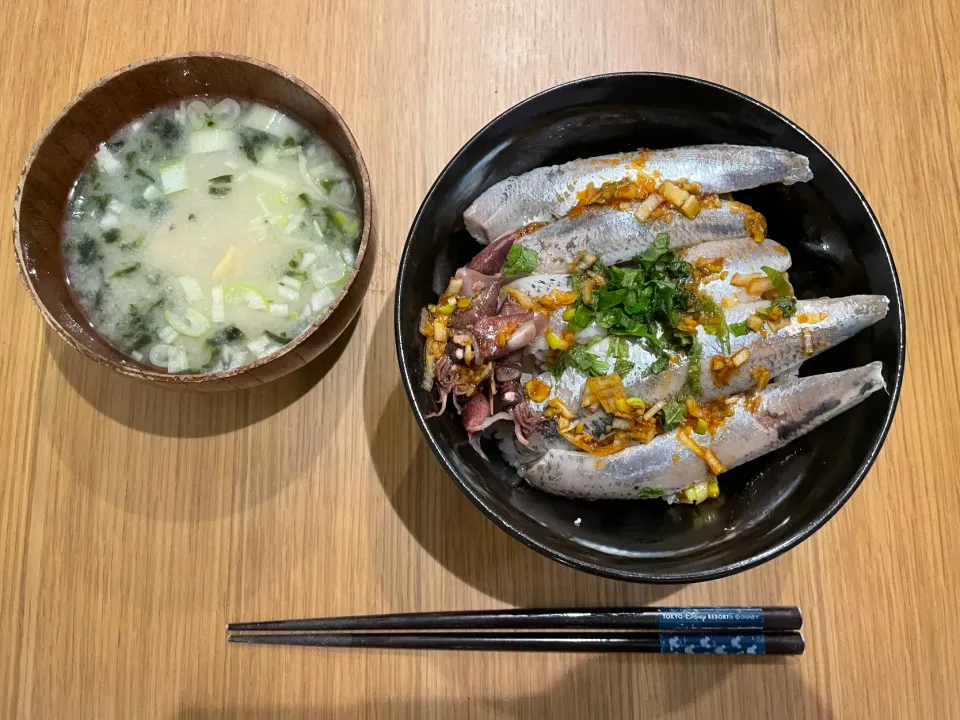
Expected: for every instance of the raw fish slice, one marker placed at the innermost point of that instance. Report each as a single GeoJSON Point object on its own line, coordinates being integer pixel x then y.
{"type": "Point", "coordinates": [781, 353]}
{"type": "Point", "coordinates": [616, 236]}
{"type": "Point", "coordinates": [548, 193]}
{"type": "Point", "coordinates": [786, 411]}
{"type": "Point", "coordinates": [741, 256]}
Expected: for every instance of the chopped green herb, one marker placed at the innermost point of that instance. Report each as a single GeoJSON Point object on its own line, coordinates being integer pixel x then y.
{"type": "Point", "coordinates": [144, 174]}
{"type": "Point", "coordinates": [714, 321]}
{"type": "Point", "coordinates": [739, 329]}
{"type": "Point", "coordinates": [98, 298]}
{"type": "Point", "coordinates": [142, 340]}
{"type": "Point", "coordinates": [586, 362]}
{"type": "Point", "coordinates": [166, 130]}
{"type": "Point", "coordinates": [100, 202]}
{"type": "Point", "coordinates": [520, 259]}
{"type": "Point", "coordinates": [252, 142]}
{"type": "Point", "coordinates": [618, 348]}
{"type": "Point", "coordinates": [622, 367]}
{"type": "Point", "coordinates": [305, 199]}
{"type": "Point", "coordinates": [133, 326]}
{"type": "Point", "coordinates": [277, 338]}
{"type": "Point", "coordinates": [229, 334]}
{"type": "Point", "coordinates": [657, 366]}
{"type": "Point", "coordinates": [787, 305]}
{"type": "Point", "coordinates": [649, 493]}
{"type": "Point", "coordinates": [131, 159]}
{"type": "Point", "coordinates": [111, 236]}
{"type": "Point", "coordinates": [296, 274]}
{"type": "Point", "coordinates": [129, 270]}
{"type": "Point", "coordinates": [582, 317]}
{"type": "Point", "coordinates": [692, 385]}
{"type": "Point", "coordinates": [658, 248]}
{"type": "Point", "coordinates": [329, 184]}
{"type": "Point", "coordinates": [605, 299]}
{"type": "Point", "coordinates": [647, 301]}
{"type": "Point", "coordinates": [191, 216]}
{"type": "Point", "coordinates": [221, 179]}
{"type": "Point", "coordinates": [219, 190]}
{"type": "Point", "coordinates": [780, 283]}
{"type": "Point", "coordinates": [289, 142]}
{"type": "Point", "coordinates": [673, 414]}
{"type": "Point", "coordinates": [87, 250]}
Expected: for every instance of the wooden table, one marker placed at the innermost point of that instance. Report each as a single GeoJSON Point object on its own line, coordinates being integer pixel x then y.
{"type": "Point", "coordinates": [135, 522]}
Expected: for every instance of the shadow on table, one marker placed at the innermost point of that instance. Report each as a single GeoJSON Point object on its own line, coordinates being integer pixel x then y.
{"type": "Point", "coordinates": [177, 413]}
{"type": "Point", "coordinates": [446, 523]}
{"type": "Point", "coordinates": [211, 480]}
{"type": "Point", "coordinates": [601, 686]}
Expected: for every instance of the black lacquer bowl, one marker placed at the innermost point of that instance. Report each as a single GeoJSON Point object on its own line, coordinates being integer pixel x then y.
{"type": "Point", "coordinates": [766, 506]}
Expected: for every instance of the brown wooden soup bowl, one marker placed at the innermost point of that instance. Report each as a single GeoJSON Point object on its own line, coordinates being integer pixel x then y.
{"type": "Point", "coordinates": [91, 118]}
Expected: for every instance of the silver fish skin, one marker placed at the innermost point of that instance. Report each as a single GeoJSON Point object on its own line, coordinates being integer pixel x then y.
{"type": "Point", "coordinates": [781, 353]}
{"type": "Point", "coordinates": [786, 412]}
{"type": "Point", "coordinates": [616, 236]}
{"type": "Point", "coordinates": [740, 255]}
{"type": "Point", "coordinates": [547, 193]}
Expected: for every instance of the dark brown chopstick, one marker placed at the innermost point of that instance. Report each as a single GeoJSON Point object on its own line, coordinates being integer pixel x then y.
{"type": "Point", "coordinates": [666, 643]}
{"type": "Point", "coordinates": [725, 619]}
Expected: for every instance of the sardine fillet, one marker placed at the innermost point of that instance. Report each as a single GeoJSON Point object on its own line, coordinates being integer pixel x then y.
{"type": "Point", "coordinates": [548, 193]}
{"type": "Point", "coordinates": [786, 412]}
{"type": "Point", "coordinates": [616, 236]}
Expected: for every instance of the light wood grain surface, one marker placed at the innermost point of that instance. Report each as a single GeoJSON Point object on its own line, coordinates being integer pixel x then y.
{"type": "Point", "coordinates": [135, 522]}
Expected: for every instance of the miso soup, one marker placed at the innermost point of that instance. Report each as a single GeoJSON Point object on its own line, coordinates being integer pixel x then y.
{"type": "Point", "coordinates": [206, 235]}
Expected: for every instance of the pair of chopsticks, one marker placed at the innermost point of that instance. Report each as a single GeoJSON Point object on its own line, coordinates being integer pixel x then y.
{"type": "Point", "coordinates": [691, 630]}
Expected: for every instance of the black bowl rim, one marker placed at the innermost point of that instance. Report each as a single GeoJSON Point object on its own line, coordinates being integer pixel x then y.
{"type": "Point", "coordinates": [721, 571]}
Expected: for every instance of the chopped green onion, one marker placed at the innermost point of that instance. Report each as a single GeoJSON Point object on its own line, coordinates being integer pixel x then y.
{"type": "Point", "coordinates": [212, 140]}
{"type": "Point", "coordinates": [251, 297]}
{"type": "Point", "coordinates": [273, 122]}
{"type": "Point", "coordinates": [151, 193]}
{"type": "Point", "coordinates": [322, 299]}
{"type": "Point", "coordinates": [173, 178]}
{"type": "Point", "coordinates": [191, 288]}
{"type": "Point", "coordinates": [107, 162]}
{"type": "Point", "coordinates": [192, 324]}
{"type": "Point", "coordinates": [129, 270]}
{"type": "Point", "coordinates": [270, 177]}
{"type": "Point", "coordinates": [217, 310]}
